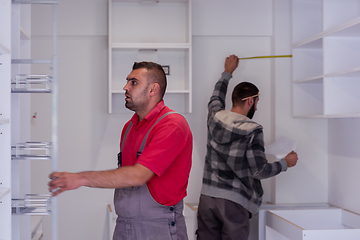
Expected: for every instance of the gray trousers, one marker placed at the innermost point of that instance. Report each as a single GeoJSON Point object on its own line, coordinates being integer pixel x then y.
{"type": "Point", "coordinates": [221, 219]}
{"type": "Point", "coordinates": [140, 217]}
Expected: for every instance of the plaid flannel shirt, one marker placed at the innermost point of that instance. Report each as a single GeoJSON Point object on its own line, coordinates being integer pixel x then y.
{"type": "Point", "coordinates": [235, 161]}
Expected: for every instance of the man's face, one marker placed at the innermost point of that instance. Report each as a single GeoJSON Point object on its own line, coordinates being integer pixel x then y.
{"type": "Point", "coordinates": [253, 108]}
{"type": "Point", "coordinates": [137, 90]}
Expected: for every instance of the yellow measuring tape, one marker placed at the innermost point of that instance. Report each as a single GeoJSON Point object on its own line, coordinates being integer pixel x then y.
{"type": "Point", "coordinates": [275, 56]}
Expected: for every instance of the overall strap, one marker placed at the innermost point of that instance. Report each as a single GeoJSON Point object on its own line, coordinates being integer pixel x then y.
{"type": "Point", "coordinates": [142, 146]}
{"type": "Point", "coordinates": [119, 157]}
{"type": "Point", "coordinates": [125, 134]}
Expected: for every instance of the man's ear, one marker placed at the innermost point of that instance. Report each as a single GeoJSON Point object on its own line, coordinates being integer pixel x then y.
{"type": "Point", "coordinates": [155, 89]}
{"type": "Point", "coordinates": [251, 101]}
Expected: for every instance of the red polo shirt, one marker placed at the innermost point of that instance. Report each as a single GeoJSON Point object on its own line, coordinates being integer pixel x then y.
{"type": "Point", "coordinates": [167, 152]}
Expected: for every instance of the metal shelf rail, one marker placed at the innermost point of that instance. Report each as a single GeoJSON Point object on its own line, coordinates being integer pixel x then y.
{"type": "Point", "coordinates": [25, 83]}
{"type": "Point", "coordinates": [31, 151]}
{"type": "Point", "coordinates": [32, 204]}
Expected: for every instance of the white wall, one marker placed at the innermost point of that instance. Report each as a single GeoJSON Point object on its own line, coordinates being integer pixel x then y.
{"type": "Point", "coordinates": [307, 182]}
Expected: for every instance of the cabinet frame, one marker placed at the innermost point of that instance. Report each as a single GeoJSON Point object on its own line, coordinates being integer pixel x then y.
{"type": "Point", "coordinates": [326, 58]}
{"type": "Point", "coordinates": [143, 40]}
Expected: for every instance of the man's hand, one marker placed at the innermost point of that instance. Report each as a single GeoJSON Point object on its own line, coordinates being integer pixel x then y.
{"type": "Point", "coordinates": [231, 63]}
{"type": "Point", "coordinates": [64, 181]}
{"type": "Point", "coordinates": [128, 176]}
{"type": "Point", "coordinates": [291, 159]}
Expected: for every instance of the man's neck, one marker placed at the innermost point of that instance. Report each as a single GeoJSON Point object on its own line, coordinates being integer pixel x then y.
{"type": "Point", "coordinates": [144, 112]}
{"type": "Point", "coordinates": [239, 110]}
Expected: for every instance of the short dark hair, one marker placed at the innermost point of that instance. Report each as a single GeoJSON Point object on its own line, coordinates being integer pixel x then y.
{"type": "Point", "coordinates": [156, 74]}
{"type": "Point", "coordinates": [241, 91]}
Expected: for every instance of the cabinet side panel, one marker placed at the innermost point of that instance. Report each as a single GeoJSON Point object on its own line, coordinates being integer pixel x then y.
{"type": "Point", "coordinates": [341, 54]}
{"type": "Point", "coordinates": [338, 12]}
{"type": "Point", "coordinates": [341, 95]}
{"type": "Point", "coordinates": [308, 98]}
{"type": "Point", "coordinates": [307, 19]}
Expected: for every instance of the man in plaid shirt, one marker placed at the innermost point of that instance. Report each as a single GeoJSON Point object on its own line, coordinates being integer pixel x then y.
{"type": "Point", "coordinates": [235, 162]}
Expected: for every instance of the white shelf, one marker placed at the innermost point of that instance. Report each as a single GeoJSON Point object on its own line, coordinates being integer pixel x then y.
{"type": "Point", "coordinates": [355, 73]}
{"type": "Point", "coordinates": [138, 46]}
{"type": "Point", "coordinates": [150, 1]}
{"type": "Point", "coordinates": [349, 29]}
{"type": "Point", "coordinates": [326, 59]}
{"type": "Point", "coordinates": [4, 192]}
{"type": "Point", "coordinates": [349, 115]}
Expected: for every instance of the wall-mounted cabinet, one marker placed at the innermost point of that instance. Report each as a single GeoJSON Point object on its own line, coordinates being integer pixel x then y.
{"type": "Point", "coordinates": [157, 31]}
{"type": "Point", "coordinates": [326, 58]}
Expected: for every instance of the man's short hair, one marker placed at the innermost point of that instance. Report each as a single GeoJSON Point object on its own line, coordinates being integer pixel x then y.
{"type": "Point", "coordinates": [241, 91]}
{"type": "Point", "coordinates": [156, 74]}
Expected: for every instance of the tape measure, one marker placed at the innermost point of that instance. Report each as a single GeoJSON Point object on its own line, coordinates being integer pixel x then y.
{"type": "Point", "coordinates": [274, 56]}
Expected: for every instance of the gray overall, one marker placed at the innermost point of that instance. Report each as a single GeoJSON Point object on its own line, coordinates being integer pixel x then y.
{"type": "Point", "coordinates": [140, 217]}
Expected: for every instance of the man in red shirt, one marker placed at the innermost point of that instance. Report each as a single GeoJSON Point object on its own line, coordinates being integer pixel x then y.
{"type": "Point", "coordinates": [154, 163]}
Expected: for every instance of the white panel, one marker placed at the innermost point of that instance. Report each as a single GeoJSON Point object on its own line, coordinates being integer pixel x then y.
{"type": "Point", "coordinates": [149, 22]}
{"type": "Point", "coordinates": [307, 19]}
{"type": "Point", "coordinates": [283, 226]}
{"type": "Point", "coordinates": [312, 219]}
{"type": "Point", "coordinates": [341, 54]}
{"type": "Point", "coordinates": [80, 17]}
{"type": "Point", "coordinates": [307, 63]}
{"type": "Point", "coordinates": [344, 155]}
{"type": "Point", "coordinates": [271, 234]}
{"type": "Point", "coordinates": [342, 95]}
{"type": "Point", "coordinates": [232, 17]}
{"type": "Point", "coordinates": [177, 59]}
{"type": "Point", "coordinates": [349, 234]}
{"type": "Point", "coordinates": [350, 219]}
{"type": "Point", "coordinates": [311, 224]}
{"type": "Point", "coordinates": [338, 12]}
{"type": "Point", "coordinates": [308, 98]}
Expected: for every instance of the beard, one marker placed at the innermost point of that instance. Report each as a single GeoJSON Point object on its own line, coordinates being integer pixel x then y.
{"type": "Point", "coordinates": [137, 103]}
{"type": "Point", "coordinates": [251, 112]}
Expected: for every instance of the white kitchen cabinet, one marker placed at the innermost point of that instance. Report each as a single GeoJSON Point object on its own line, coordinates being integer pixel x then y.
{"type": "Point", "coordinates": [157, 31]}
{"type": "Point", "coordinates": [5, 120]}
{"type": "Point", "coordinates": [27, 207]}
{"type": "Point", "coordinates": [326, 58]}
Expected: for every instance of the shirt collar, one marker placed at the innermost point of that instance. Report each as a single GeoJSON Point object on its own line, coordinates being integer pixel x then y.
{"type": "Point", "coordinates": [151, 115]}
